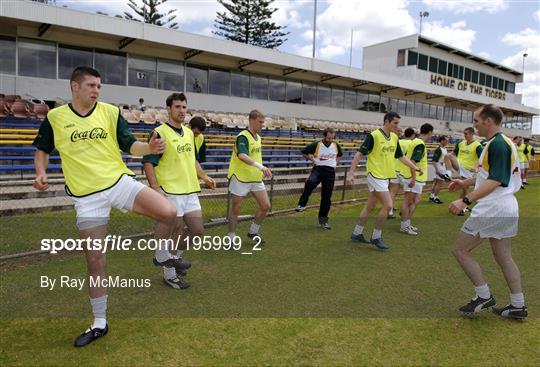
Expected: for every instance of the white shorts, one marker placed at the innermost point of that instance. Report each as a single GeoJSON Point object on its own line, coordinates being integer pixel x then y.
{"type": "Point", "coordinates": [184, 203]}
{"type": "Point", "coordinates": [377, 184]}
{"type": "Point", "coordinates": [243, 188]}
{"type": "Point", "coordinates": [398, 180]}
{"type": "Point", "coordinates": [523, 165]}
{"type": "Point", "coordinates": [94, 210]}
{"type": "Point", "coordinates": [441, 168]}
{"type": "Point", "coordinates": [417, 188]}
{"type": "Point", "coordinates": [494, 218]}
{"type": "Point", "coordinates": [464, 172]}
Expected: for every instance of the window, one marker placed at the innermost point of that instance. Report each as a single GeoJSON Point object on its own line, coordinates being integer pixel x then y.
{"type": "Point", "coordinates": [501, 84]}
{"type": "Point", "coordinates": [294, 91]}
{"type": "Point", "coordinates": [324, 96]}
{"type": "Point", "coordinates": [495, 82]}
{"type": "Point", "coordinates": [309, 93]}
{"type": "Point", "coordinates": [142, 71]}
{"type": "Point", "coordinates": [402, 107]}
{"type": "Point", "coordinates": [467, 74]}
{"type": "Point", "coordinates": [112, 66]}
{"type": "Point", "coordinates": [362, 101]}
{"type": "Point", "coordinates": [440, 112]}
{"type": "Point", "coordinates": [410, 108]}
{"type": "Point", "coordinates": [337, 97]}
{"type": "Point", "coordinates": [482, 79]}
{"type": "Point", "coordinates": [422, 62]}
{"type": "Point", "coordinates": [412, 58]}
{"type": "Point", "coordinates": [488, 81]}
{"type": "Point", "coordinates": [7, 55]}
{"type": "Point", "coordinates": [442, 67]}
{"type": "Point", "coordinates": [69, 57]}
{"type": "Point", "coordinates": [450, 71]}
{"type": "Point", "coordinates": [196, 79]}
{"type": "Point", "coordinates": [259, 87]}
{"type": "Point", "coordinates": [170, 75]}
{"type": "Point", "coordinates": [37, 58]}
{"type": "Point", "coordinates": [219, 82]}
{"type": "Point", "coordinates": [474, 78]}
{"type": "Point", "coordinates": [240, 85]}
{"type": "Point", "coordinates": [461, 70]}
{"type": "Point", "coordinates": [456, 114]}
{"type": "Point", "coordinates": [455, 72]}
{"type": "Point", "coordinates": [433, 64]}
{"type": "Point", "coordinates": [401, 58]}
{"type": "Point", "coordinates": [350, 100]}
{"type": "Point", "coordinates": [510, 87]}
{"type": "Point", "coordinates": [392, 104]}
{"type": "Point", "coordinates": [432, 111]}
{"type": "Point", "coordinates": [418, 109]}
{"type": "Point", "coordinates": [276, 90]}
{"type": "Point", "coordinates": [384, 104]}
{"type": "Point", "coordinates": [447, 114]}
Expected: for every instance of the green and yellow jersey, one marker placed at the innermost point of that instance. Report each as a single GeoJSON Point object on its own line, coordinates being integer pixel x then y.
{"type": "Point", "coordinates": [417, 152]}
{"type": "Point", "coordinates": [381, 150]}
{"type": "Point", "coordinates": [468, 154]}
{"type": "Point", "coordinates": [521, 152]}
{"type": "Point", "coordinates": [401, 168]}
{"type": "Point", "coordinates": [250, 145]}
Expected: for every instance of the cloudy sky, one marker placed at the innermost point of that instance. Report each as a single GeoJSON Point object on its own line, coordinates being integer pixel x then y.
{"type": "Point", "coordinates": [499, 30]}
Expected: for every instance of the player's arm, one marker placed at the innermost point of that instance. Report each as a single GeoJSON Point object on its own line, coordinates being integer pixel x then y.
{"type": "Point", "coordinates": [406, 161]}
{"type": "Point", "coordinates": [209, 181]}
{"type": "Point", "coordinates": [339, 153]}
{"type": "Point", "coordinates": [242, 149]}
{"type": "Point", "coordinates": [44, 143]}
{"type": "Point", "coordinates": [309, 151]}
{"type": "Point", "coordinates": [436, 157]}
{"type": "Point", "coordinates": [149, 162]}
{"type": "Point", "coordinates": [129, 144]}
{"type": "Point", "coordinates": [365, 148]}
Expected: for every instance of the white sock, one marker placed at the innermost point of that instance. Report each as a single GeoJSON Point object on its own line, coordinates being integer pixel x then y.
{"type": "Point", "coordinates": [449, 173]}
{"type": "Point", "coordinates": [403, 224]}
{"type": "Point", "coordinates": [358, 229]}
{"type": "Point", "coordinates": [524, 180]}
{"type": "Point", "coordinates": [517, 299]}
{"type": "Point", "coordinates": [482, 291]}
{"type": "Point", "coordinates": [376, 234]}
{"type": "Point", "coordinates": [162, 254]}
{"type": "Point", "coordinates": [432, 195]}
{"type": "Point", "coordinates": [254, 228]}
{"type": "Point", "coordinates": [169, 273]}
{"type": "Point", "coordinates": [99, 310]}
{"type": "Point", "coordinates": [179, 253]}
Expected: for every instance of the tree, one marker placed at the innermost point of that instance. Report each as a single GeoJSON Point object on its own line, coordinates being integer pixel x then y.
{"type": "Point", "coordinates": [249, 21]}
{"type": "Point", "coordinates": [148, 13]}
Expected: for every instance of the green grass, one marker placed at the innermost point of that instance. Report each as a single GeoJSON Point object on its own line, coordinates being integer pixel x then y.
{"type": "Point", "coordinates": [310, 297]}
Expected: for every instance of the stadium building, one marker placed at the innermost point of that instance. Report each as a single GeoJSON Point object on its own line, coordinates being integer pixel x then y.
{"type": "Point", "coordinates": [422, 79]}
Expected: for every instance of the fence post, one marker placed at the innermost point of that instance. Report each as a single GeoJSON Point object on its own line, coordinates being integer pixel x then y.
{"type": "Point", "coordinates": [344, 184]}
{"type": "Point", "coordinates": [271, 193]}
{"type": "Point", "coordinates": [227, 215]}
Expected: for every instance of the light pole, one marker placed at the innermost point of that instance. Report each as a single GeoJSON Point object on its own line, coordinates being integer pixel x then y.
{"type": "Point", "coordinates": [523, 67]}
{"type": "Point", "coordinates": [350, 50]}
{"type": "Point", "coordinates": [314, 26]}
{"type": "Point", "coordinates": [423, 14]}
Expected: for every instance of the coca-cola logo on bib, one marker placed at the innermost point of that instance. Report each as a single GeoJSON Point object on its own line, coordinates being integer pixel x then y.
{"type": "Point", "coordinates": [95, 133]}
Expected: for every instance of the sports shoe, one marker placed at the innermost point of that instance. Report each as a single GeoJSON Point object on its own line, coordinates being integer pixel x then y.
{"type": "Point", "coordinates": [413, 228]}
{"type": "Point", "coordinates": [178, 264]}
{"type": "Point", "coordinates": [522, 187]}
{"type": "Point", "coordinates": [408, 230]}
{"type": "Point", "coordinates": [391, 216]}
{"type": "Point", "coordinates": [90, 335]}
{"type": "Point", "coordinates": [525, 183]}
{"type": "Point", "coordinates": [432, 199]}
{"type": "Point", "coordinates": [255, 236]}
{"type": "Point", "coordinates": [511, 312]}
{"type": "Point", "coordinates": [477, 305]}
{"type": "Point", "coordinates": [359, 238]}
{"type": "Point", "coordinates": [437, 200]}
{"type": "Point", "coordinates": [300, 208]}
{"type": "Point", "coordinates": [325, 225]}
{"type": "Point", "coordinates": [379, 244]}
{"type": "Point", "coordinates": [177, 283]}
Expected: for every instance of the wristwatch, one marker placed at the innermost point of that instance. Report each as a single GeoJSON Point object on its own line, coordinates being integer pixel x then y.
{"type": "Point", "coordinates": [466, 200]}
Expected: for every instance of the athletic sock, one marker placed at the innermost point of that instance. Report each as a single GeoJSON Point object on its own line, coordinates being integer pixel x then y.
{"type": "Point", "coordinates": [254, 228]}
{"type": "Point", "coordinates": [232, 235]}
{"type": "Point", "coordinates": [99, 310]}
{"type": "Point", "coordinates": [162, 254]}
{"type": "Point", "coordinates": [403, 224]}
{"type": "Point", "coordinates": [377, 233]}
{"type": "Point", "coordinates": [179, 253]}
{"type": "Point", "coordinates": [391, 212]}
{"type": "Point", "coordinates": [517, 299]}
{"type": "Point", "coordinates": [432, 196]}
{"type": "Point", "coordinates": [358, 229]}
{"type": "Point", "coordinates": [482, 291]}
{"type": "Point", "coordinates": [169, 273]}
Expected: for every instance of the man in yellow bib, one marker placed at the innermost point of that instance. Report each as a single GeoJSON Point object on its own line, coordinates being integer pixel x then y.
{"type": "Point", "coordinates": [413, 184]}
{"type": "Point", "coordinates": [246, 174]}
{"type": "Point", "coordinates": [382, 147]}
{"type": "Point", "coordinates": [529, 154]}
{"type": "Point", "coordinates": [89, 135]}
{"type": "Point", "coordinates": [495, 216]}
{"type": "Point", "coordinates": [395, 183]}
{"type": "Point", "coordinates": [197, 124]}
{"type": "Point", "coordinates": [174, 174]}
{"type": "Point", "coordinates": [520, 147]}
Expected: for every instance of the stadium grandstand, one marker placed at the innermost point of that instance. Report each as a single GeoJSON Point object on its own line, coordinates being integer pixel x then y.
{"type": "Point", "coordinates": [423, 80]}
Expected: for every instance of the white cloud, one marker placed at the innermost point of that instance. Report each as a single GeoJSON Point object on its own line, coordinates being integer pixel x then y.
{"type": "Point", "coordinates": [536, 15]}
{"type": "Point", "coordinates": [371, 25]}
{"type": "Point", "coordinates": [529, 42]}
{"type": "Point", "coordinates": [456, 34]}
{"type": "Point", "coordinates": [484, 54]}
{"type": "Point", "coordinates": [305, 50]}
{"type": "Point", "coordinates": [206, 31]}
{"type": "Point", "coordinates": [464, 7]}
{"type": "Point", "coordinates": [289, 14]}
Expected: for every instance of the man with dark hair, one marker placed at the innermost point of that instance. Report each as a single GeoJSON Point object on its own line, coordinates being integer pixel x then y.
{"type": "Point", "coordinates": [441, 165]}
{"type": "Point", "coordinates": [197, 124]}
{"type": "Point", "coordinates": [382, 147]}
{"type": "Point", "coordinates": [522, 156]}
{"type": "Point", "coordinates": [495, 217]}
{"type": "Point", "coordinates": [89, 135]}
{"type": "Point", "coordinates": [412, 184]}
{"type": "Point", "coordinates": [324, 154]}
{"type": "Point", "coordinates": [246, 174]}
{"type": "Point", "coordinates": [175, 175]}
{"type": "Point", "coordinates": [395, 183]}
{"type": "Point", "coordinates": [529, 154]}
{"type": "Point", "coordinates": [141, 106]}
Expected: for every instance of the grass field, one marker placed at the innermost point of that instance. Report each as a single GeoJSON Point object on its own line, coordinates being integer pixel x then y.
{"type": "Point", "coordinates": [310, 297]}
